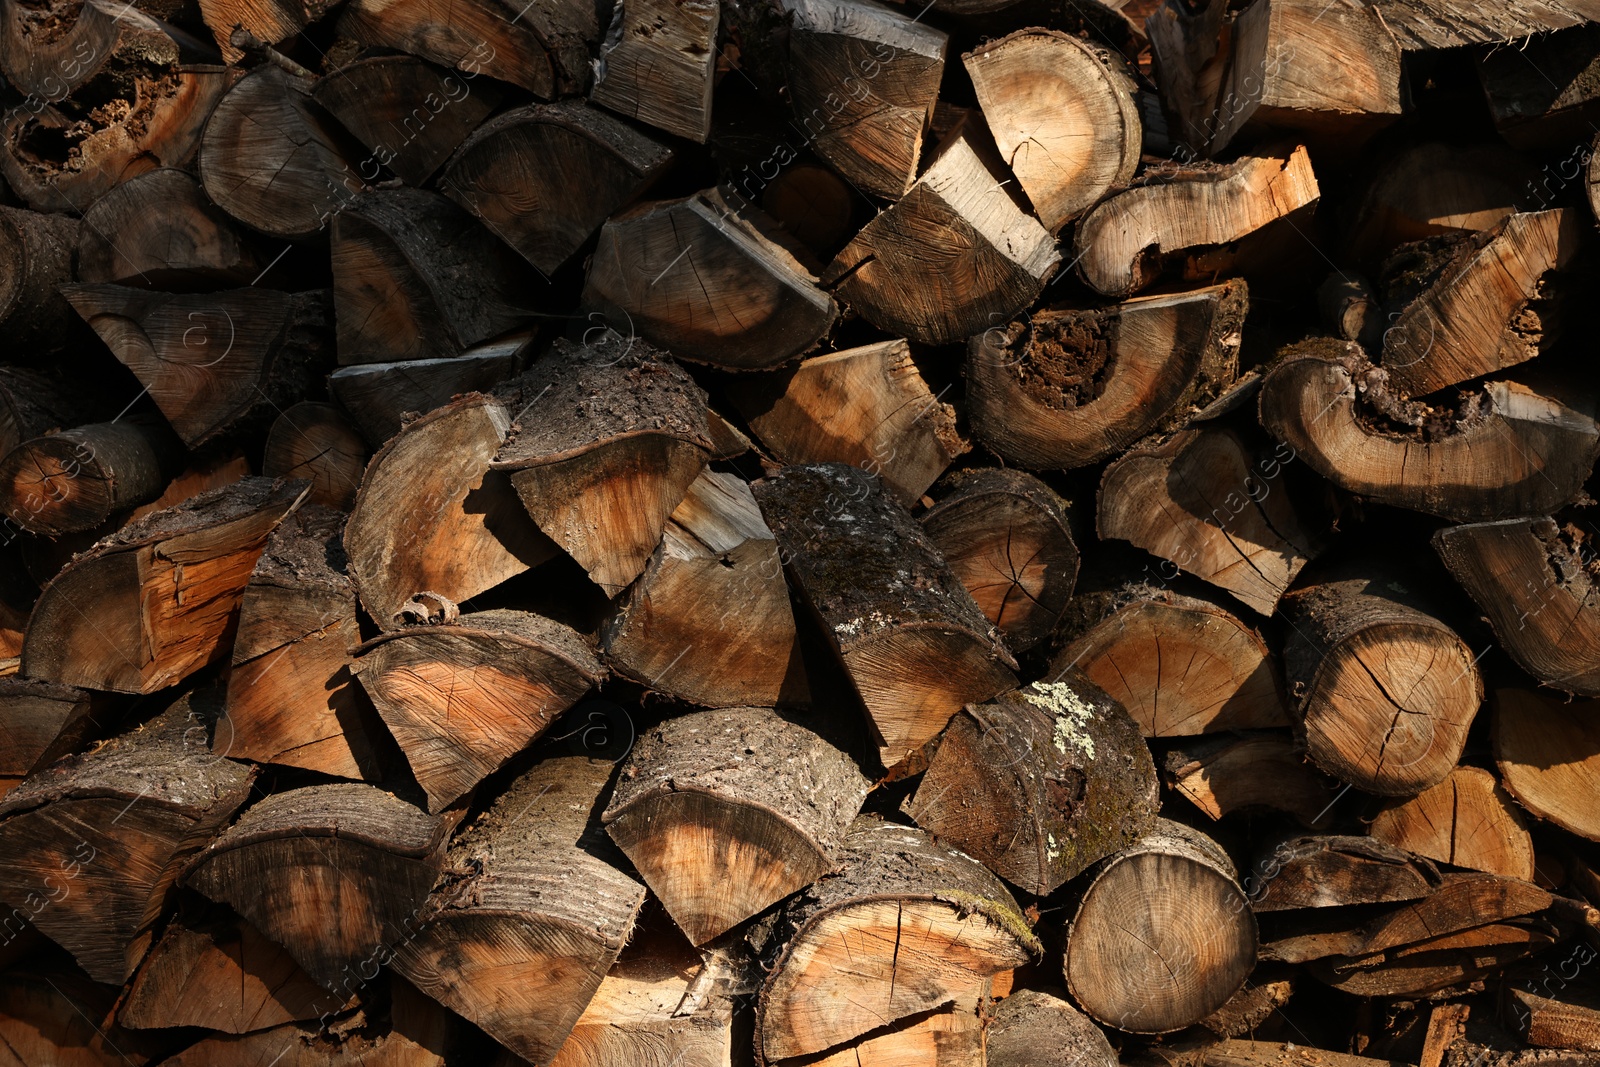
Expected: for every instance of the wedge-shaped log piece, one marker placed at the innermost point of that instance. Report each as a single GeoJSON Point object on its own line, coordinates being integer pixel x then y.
{"type": "Point", "coordinates": [1153, 969]}
{"type": "Point", "coordinates": [863, 79]}
{"type": "Point", "coordinates": [1063, 114]}
{"type": "Point", "coordinates": [36, 258]}
{"type": "Point", "coordinates": [954, 256]}
{"type": "Point", "coordinates": [1549, 757]}
{"type": "Point", "coordinates": [1005, 536]}
{"type": "Point", "coordinates": [463, 698]}
{"type": "Point", "coordinates": [916, 646]}
{"type": "Point", "coordinates": [165, 592]}
{"type": "Point", "coordinates": [214, 362]}
{"type": "Point", "coordinates": [698, 276]}
{"type": "Point", "coordinates": [1330, 872]}
{"type": "Point", "coordinates": [291, 700]}
{"type": "Point", "coordinates": [1203, 501]}
{"type": "Point", "coordinates": [55, 1014]}
{"type": "Point", "coordinates": [906, 925]}
{"type": "Point", "coordinates": [1384, 691]}
{"type": "Point", "coordinates": [718, 841]}
{"type": "Point", "coordinates": [1040, 783]}
{"type": "Point", "coordinates": [1180, 664]}
{"type": "Point", "coordinates": [95, 842]}
{"type": "Point", "coordinates": [75, 480]}
{"type": "Point", "coordinates": [1225, 774]}
{"type": "Point", "coordinates": [866, 406]}
{"type": "Point", "coordinates": [531, 912]}
{"type": "Point", "coordinates": [1571, 1022]}
{"type": "Point", "coordinates": [608, 438]}
{"type": "Point", "coordinates": [1069, 388]}
{"type": "Point", "coordinates": [1531, 579]}
{"type": "Point", "coordinates": [415, 277]}
{"type": "Point", "coordinates": [1124, 244]}
{"type": "Point", "coordinates": [545, 176]}
{"type": "Point", "coordinates": [1038, 1028]}
{"type": "Point", "coordinates": [464, 532]}
{"type": "Point", "coordinates": [1508, 451]}
{"type": "Point", "coordinates": [657, 64]}
{"type": "Point", "coordinates": [1482, 306]}
{"type": "Point", "coordinates": [709, 620]}
{"type": "Point", "coordinates": [1467, 820]}
{"type": "Point", "coordinates": [40, 723]}
{"type": "Point", "coordinates": [382, 397]}
{"type": "Point", "coordinates": [317, 442]}
{"type": "Point", "coordinates": [159, 231]}
{"type": "Point", "coordinates": [333, 873]}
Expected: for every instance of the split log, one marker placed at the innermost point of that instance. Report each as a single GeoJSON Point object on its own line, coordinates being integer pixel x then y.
{"type": "Point", "coordinates": [268, 23]}
{"type": "Point", "coordinates": [1253, 1006]}
{"type": "Point", "coordinates": [1035, 1028]}
{"type": "Point", "coordinates": [383, 397]}
{"type": "Point", "coordinates": [1206, 502]}
{"type": "Point", "coordinates": [1507, 451]}
{"type": "Point", "coordinates": [1126, 242]}
{"type": "Point", "coordinates": [700, 277]}
{"type": "Point", "coordinates": [159, 231]}
{"type": "Point", "coordinates": [953, 256]}
{"type": "Point", "coordinates": [865, 406]}
{"type": "Point", "coordinates": [530, 913]}
{"type": "Point", "coordinates": [1466, 820]}
{"type": "Point", "coordinates": [273, 160]}
{"type": "Point", "coordinates": [1005, 536]}
{"type": "Point", "coordinates": [1437, 188]}
{"type": "Point", "coordinates": [463, 698]}
{"type": "Point", "coordinates": [1180, 664]}
{"type": "Point", "coordinates": [1063, 115]}
{"type": "Point", "coordinates": [291, 700]}
{"type": "Point", "coordinates": [1188, 62]}
{"type": "Point", "coordinates": [76, 479]}
{"type": "Point", "coordinates": [869, 130]}
{"type": "Point", "coordinates": [1331, 872]}
{"type": "Point", "coordinates": [1549, 758]}
{"type": "Point", "coordinates": [96, 841]}
{"type": "Point", "coordinates": [1039, 784]}
{"type": "Point", "coordinates": [916, 651]}
{"type": "Point", "coordinates": [412, 114]}
{"type": "Point", "coordinates": [36, 259]}
{"type": "Point", "coordinates": [657, 65]}
{"type": "Point", "coordinates": [165, 589]}
{"type": "Point", "coordinates": [1572, 1022]}
{"type": "Point", "coordinates": [1152, 970]}
{"type": "Point", "coordinates": [317, 442]}
{"type": "Point", "coordinates": [1454, 963]}
{"type": "Point", "coordinates": [1069, 388]}
{"type": "Point", "coordinates": [415, 277]}
{"type": "Point", "coordinates": [413, 1038]}
{"type": "Point", "coordinates": [50, 50]}
{"type": "Point", "coordinates": [709, 620]}
{"type": "Point", "coordinates": [39, 724]}
{"type": "Point", "coordinates": [466, 531]}
{"type": "Point", "coordinates": [718, 842]}
{"type": "Point", "coordinates": [905, 926]}
{"type": "Point", "coordinates": [333, 873]}
{"type": "Point", "coordinates": [1482, 303]}
{"type": "Point", "coordinates": [605, 443]}
{"type": "Point", "coordinates": [1227, 774]}
{"type": "Point", "coordinates": [1384, 691]}
{"type": "Point", "coordinates": [53, 1014]}
{"type": "Point", "coordinates": [214, 363]}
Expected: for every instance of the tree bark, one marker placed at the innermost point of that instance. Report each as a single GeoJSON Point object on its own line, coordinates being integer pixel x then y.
{"type": "Point", "coordinates": [1548, 754]}
{"type": "Point", "coordinates": [1467, 820]}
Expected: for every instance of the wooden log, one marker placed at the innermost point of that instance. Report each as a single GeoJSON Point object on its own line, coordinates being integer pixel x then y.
{"type": "Point", "coordinates": [466, 532]}
{"type": "Point", "coordinates": [1188, 62]}
{"type": "Point", "coordinates": [1005, 536]}
{"type": "Point", "coordinates": [606, 441]}
{"type": "Point", "coordinates": [38, 402]}
{"type": "Point", "coordinates": [719, 842]}
{"type": "Point", "coordinates": [1571, 1022]}
{"type": "Point", "coordinates": [1180, 664]}
{"type": "Point", "coordinates": [1486, 1044]}
{"type": "Point", "coordinates": [1250, 1009]}
{"type": "Point", "coordinates": [383, 397]}
{"type": "Point", "coordinates": [917, 651]}
{"type": "Point", "coordinates": [1453, 964]}
{"type": "Point", "coordinates": [1242, 1053]}
{"type": "Point", "coordinates": [463, 698]}
{"type": "Point", "coordinates": [76, 479]}
{"type": "Point", "coordinates": [1037, 1028]}
{"type": "Point", "coordinates": [1548, 754]}
{"type": "Point", "coordinates": [413, 1037]}
{"type": "Point", "coordinates": [166, 589]}
{"type": "Point", "coordinates": [954, 256]}
{"type": "Point", "coordinates": [866, 406]}
{"type": "Point", "coordinates": [159, 231]}
{"type": "Point", "coordinates": [700, 277]}
{"type": "Point", "coordinates": [813, 204]}
{"type": "Point", "coordinates": [96, 840]}
{"type": "Point", "coordinates": [1205, 501]}
{"type": "Point", "coordinates": [50, 50]}
{"type": "Point", "coordinates": [905, 926]}
{"type": "Point", "coordinates": [214, 363]}
{"type": "Point", "coordinates": [1069, 388]}
{"type": "Point", "coordinates": [657, 65]}
{"type": "Point", "coordinates": [291, 700]}
{"type": "Point", "coordinates": [39, 724]}
{"type": "Point", "coordinates": [411, 113]}
{"type": "Point", "coordinates": [35, 261]}
{"type": "Point", "coordinates": [1466, 820]}
{"type": "Point", "coordinates": [51, 1013]}
{"type": "Point", "coordinates": [1225, 774]}
{"type": "Point", "coordinates": [1434, 188]}
{"type": "Point", "coordinates": [1151, 970]}
{"type": "Point", "coordinates": [317, 442]}
{"type": "Point", "coordinates": [1039, 784]}
{"type": "Point", "coordinates": [709, 620]}
{"type": "Point", "coordinates": [1482, 305]}
{"type": "Point", "coordinates": [1543, 99]}
{"type": "Point", "coordinates": [1508, 451]}
{"type": "Point", "coordinates": [1384, 691]}
{"type": "Point", "coordinates": [531, 912]}
{"type": "Point", "coordinates": [1063, 114]}
{"type": "Point", "coordinates": [333, 873]}
{"type": "Point", "coordinates": [1126, 242]}
{"type": "Point", "coordinates": [1333, 871]}
{"type": "Point", "coordinates": [269, 23]}
{"type": "Point", "coordinates": [869, 130]}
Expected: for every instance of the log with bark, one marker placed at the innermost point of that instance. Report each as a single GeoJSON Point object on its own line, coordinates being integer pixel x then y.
{"type": "Point", "coordinates": [76, 479]}
{"type": "Point", "coordinates": [36, 251]}
{"type": "Point", "coordinates": [1040, 1028]}
{"type": "Point", "coordinates": [381, 398]}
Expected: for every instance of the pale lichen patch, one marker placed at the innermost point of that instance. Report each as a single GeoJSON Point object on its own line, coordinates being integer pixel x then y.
{"type": "Point", "coordinates": [1071, 711]}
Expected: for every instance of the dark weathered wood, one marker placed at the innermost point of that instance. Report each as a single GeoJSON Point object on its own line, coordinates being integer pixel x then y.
{"type": "Point", "coordinates": [36, 258]}
{"type": "Point", "coordinates": [1546, 96]}
{"type": "Point", "coordinates": [382, 397]}
{"type": "Point", "coordinates": [1038, 1028]}
{"type": "Point", "coordinates": [1570, 1022]}
{"type": "Point", "coordinates": [317, 442]}
{"type": "Point", "coordinates": [38, 402]}
{"type": "Point", "coordinates": [1240, 1053]}
{"type": "Point", "coordinates": [1548, 754]}
{"type": "Point", "coordinates": [50, 50]}
{"type": "Point", "coordinates": [40, 723]}
{"type": "Point", "coordinates": [413, 1031]}
{"type": "Point", "coordinates": [657, 64]}
{"type": "Point", "coordinates": [1331, 872]}
{"type": "Point", "coordinates": [1224, 774]}
{"type": "Point", "coordinates": [159, 231]}
{"type": "Point", "coordinates": [1466, 820]}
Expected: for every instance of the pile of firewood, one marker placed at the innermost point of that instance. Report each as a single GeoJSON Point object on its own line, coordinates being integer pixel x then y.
{"type": "Point", "coordinates": [684, 533]}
